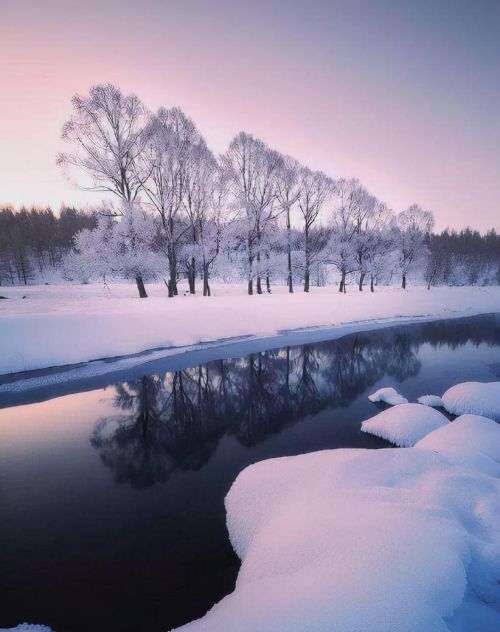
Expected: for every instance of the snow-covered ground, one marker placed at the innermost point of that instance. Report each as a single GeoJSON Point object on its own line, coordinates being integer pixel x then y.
{"type": "Point", "coordinates": [349, 539]}
{"type": "Point", "coordinates": [65, 324]}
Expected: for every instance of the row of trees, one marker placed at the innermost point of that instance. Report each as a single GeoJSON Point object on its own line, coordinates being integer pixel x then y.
{"type": "Point", "coordinates": [250, 213]}
{"type": "Point", "coordinates": [37, 244]}
{"type": "Point", "coordinates": [161, 163]}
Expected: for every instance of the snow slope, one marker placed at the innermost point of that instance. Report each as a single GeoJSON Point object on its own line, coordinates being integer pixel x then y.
{"type": "Point", "coordinates": [57, 325]}
{"type": "Point", "coordinates": [349, 539]}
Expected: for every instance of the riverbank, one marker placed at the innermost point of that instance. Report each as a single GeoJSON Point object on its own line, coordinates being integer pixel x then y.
{"type": "Point", "coordinates": [66, 324]}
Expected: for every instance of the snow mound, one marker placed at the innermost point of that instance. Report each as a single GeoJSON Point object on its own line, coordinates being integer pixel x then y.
{"type": "Point", "coordinates": [404, 424]}
{"type": "Point", "coordinates": [370, 540]}
{"type": "Point", "coordinates": [388, 395]}
{"type": "Point", "coordinates": [477, 398]}
{"type": "Point", "coordinates": [430, 400]}
{"type": "Point", "coordinates": [471, 439]}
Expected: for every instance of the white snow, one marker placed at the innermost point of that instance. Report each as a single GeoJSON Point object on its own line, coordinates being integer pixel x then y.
{"type": "Point", "coordinates": [468, 436]}
{"type": "Point", "coordinates": [351, 539]}
{"type": "Point", "coordinates": [404, 424]}
{"type": "Point", "coordinates": [64, 324]}
{"type": "Point", "coordinates": [431, 400]}
{"type": "Point", "coordinates": [477, 398]}
{"type": "Point", "coordinates": [389, 395]}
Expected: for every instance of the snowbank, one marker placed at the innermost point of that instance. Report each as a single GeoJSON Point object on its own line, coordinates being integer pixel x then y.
{"type": "Point", "coordinates": [368, 540]}
{"type": "Point", "coordinates": [477, 398]}
{"type": "Point", "coordinates": [388, 395]}
{"type": "Point", "coordinates": [57, 325]}
{"type": "Point", "coordinates": [404, 424]}
{"type": "Point", "coordinates": [431, 400]}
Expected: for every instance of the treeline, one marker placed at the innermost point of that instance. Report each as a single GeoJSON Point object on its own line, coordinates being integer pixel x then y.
{"type": "Point", "coordinates": [37, 243]}
{"type": "Point", "coordinates": [463, 258]}
{"type": "Point", "coordinates": [34, 241]}
{"type": "Point", "coordinates": [251, 214]}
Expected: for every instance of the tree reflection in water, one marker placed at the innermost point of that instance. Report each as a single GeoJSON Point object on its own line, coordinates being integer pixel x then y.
{"type": "Point", "coordinates": [176, 421]}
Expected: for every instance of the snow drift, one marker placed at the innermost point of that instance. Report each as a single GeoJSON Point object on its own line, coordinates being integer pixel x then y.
{"type": "Point", "coordinates": [431, 400]}
{"type": "Point", "coordinates": [404, 424]}
{"type": "Point", "coordinates": [388, 395]}
{"type": "Point", "coordinates": [350, 539]}
{"type": "Point", "coordinates": [477, 398]}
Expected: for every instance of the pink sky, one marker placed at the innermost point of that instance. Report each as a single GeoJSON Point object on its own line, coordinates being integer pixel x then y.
{"type": "Point", "coordinates": [385, 95]}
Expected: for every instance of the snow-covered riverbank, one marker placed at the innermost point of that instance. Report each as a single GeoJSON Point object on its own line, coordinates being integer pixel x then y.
{"type": "Point", "coordinates": [390, 539]}
{"type": "Point", "coordinates": [58, 325]}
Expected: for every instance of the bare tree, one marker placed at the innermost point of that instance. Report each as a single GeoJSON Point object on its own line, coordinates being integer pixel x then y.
{"type": "Point", "coordinates": [106, 133]}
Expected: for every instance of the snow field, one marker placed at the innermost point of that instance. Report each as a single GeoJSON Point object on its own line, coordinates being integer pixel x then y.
{"type": "Point", "coordinates": [65, 324]}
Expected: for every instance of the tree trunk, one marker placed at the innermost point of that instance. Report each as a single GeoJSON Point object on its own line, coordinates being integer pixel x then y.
{"type": "Point", "coordinates": [371, 284]}
{"type": "Point", "coordinates": [342, 282]}
{"type": "Point", "coordinates": [403, 283]}
{"type": "Point", "coordinates": [258, 280]}
{"type": "Point", "coordinates": [268, 283]}
{"type": "Point", "coordinates": [361, 279]}
{"type": "Point", "coordinates": [306, 257]}
{"type": "Point", "coordinates": [206, 286]}
{"type": "Point", "coordinates": [289, 253]}
{"type": "Point", "coordinates": [192, 276]}
{"type": "Point", "coordinates": [250, 266]}
{"type": "Point", "coordinates": [140, 286]}
{"type": "Point", "coordinates": [172, 282]}
{"type": "Point", "coordinates": [306, 281]}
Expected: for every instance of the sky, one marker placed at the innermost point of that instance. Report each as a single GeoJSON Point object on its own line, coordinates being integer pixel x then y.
{"type": "Point", "coordinates": [404, 95]}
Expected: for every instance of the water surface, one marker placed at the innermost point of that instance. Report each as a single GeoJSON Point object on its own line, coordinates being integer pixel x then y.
{"type": "Point", "coordinates": [112, 513]}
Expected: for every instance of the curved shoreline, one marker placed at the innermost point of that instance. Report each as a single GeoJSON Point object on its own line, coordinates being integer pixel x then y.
{"type": "Point", "coordinates": [90, 375]}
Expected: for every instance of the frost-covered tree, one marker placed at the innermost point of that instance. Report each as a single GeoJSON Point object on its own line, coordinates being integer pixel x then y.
{"type": "Point", "coordinates": [216, 223]}
{"type": "Point", "coordinates": [350, 199]}
{"type": "Point", "coordinates": [107, 139]}
{"type": "Point", "coordinates": [122, 244]}
{"type": "Point", "coordinates": [171, 139]}
{"type": "Point", "coordinates": [315, 188]}
{"type": "Point", "coordinates": [199, 188]}
{"type": "Point", "coordinates": [411, 228]}
{"type": "Point", "coordinates": [287, 194]}
{"type": "Point", "coordinates": [251, 168]}
{"type": "Point", "coordinates": [378, 242]}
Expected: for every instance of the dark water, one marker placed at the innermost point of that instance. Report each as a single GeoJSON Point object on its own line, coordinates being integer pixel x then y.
{"type": "Point", "coordinates": [111, 500]}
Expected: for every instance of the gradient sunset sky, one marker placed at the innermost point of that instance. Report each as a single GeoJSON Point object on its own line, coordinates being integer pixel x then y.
{"type": "Point", "coordinates": [404, 95]}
